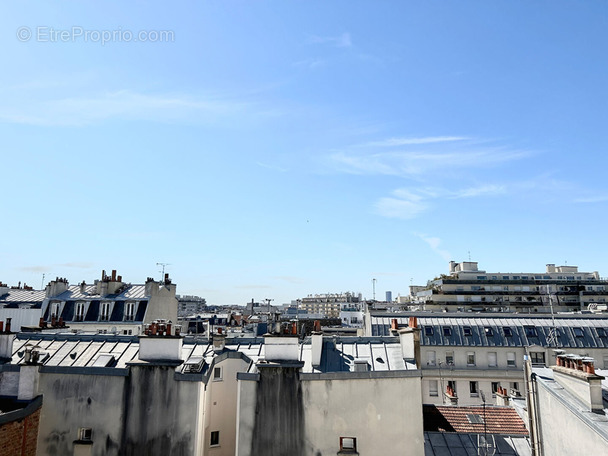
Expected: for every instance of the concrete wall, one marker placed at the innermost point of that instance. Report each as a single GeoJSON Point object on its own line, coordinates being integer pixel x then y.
{"type": "Point", "coordinates": [562, 432]}
{"type": "Point", "coordinates": [221, 404]}
{"type": "Point", "coordinates": [383, 414]}
{"type": "Point", "coordinates": [73, 401]}
{"type": "Point", "coordinates": [157, 422]}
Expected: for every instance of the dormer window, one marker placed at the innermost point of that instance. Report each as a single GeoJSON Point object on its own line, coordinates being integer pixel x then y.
{"type": "Point", "coordinates": [578, 332]}
{"type": "Point", "coordinates": [447, 331]}
{"type": "Point", "coordinates": [428, 330]}
{"type": "Point", "coordinates": [130, 311]}
{"type": "Point", "coordinates": [104, 313]}
{"type": "Point", "coordinates": [467, 331]}
{"type": "Point", "coordinates": [530, 331]}
{"type": "Point", "coordinates": [79, 312]}
{"type": "Point", "coordinates": [55, 310]}
{"type": "Point", "coordinates": [489, 331]}
{"type": "Point", "coordinates": [507, 331]}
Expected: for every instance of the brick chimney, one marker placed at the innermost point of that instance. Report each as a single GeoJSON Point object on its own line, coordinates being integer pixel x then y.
{"type": "Point", "coordinates": [576, 374]}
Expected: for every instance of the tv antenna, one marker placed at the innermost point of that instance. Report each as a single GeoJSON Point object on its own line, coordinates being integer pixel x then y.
{"type": "Point", "coordinates": [486, 445]}
{"type": "Point", "coordinates": [162, 277]}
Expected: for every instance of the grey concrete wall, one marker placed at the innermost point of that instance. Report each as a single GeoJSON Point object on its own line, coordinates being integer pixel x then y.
{"type": "Point", "coordinates": [562, 432]}
{"type": "Point", "coordinates": [383, 414]}
{"type": "Point", "coordinates": [157, 423]}
{"type": "Point", "coordinates": [75, 401]}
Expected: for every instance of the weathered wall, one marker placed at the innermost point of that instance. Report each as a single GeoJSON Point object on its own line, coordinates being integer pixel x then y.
{"type": "Point", "coordinates": [562, 432]}
{"type": "Point", "coordinates": [383, 414]}
{"type": "Point", "coordinates": [73, 401]}
{"type": "Point", "coordinates": [19, 437]}
{"type": "Point", "coordinates": [279, 421]}
{"type": "Point", "coordinates": [221, 407]}
{"type": "Point", "coordinates": [247, 392]}
{"type": "Point", "coordinates": [157, 423]}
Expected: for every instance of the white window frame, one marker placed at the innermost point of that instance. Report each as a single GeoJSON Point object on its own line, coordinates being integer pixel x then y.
{"type": "Point", "coordinates": [218, 374]}
{"type": "Point", "coordinates": [104, 311]}
{"type": "Point", "coordinates": [431, 359]}
{"type": "Point", "coordinates": [492, 359]}
{"type": "Point", "coordinates": [433, 388]}
{"type": "Point", "coordinates": [130, 311]}
{"type": "Point", "coordinates": [79, 311]}
{"type": "Point", "coordinates": [449, 358]}
{"type": "Point", "coordinates": [511, 359]}
{"type": "Point", "coordinates": [474, 388]}
{"type": "Point", "coordinates": [469, 355]}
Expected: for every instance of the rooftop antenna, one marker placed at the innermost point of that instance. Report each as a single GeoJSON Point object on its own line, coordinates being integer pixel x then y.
{"type": "Point", "coordinates": [469, 252]}
{"type": "Point", "coordinates": [42, 284]}
{"type": "Point", "coordinates": [162, 277]}
{"type": "Point", "coordinates": [485, 447]}
{"type": "Point", "coordinates": [374, 287]}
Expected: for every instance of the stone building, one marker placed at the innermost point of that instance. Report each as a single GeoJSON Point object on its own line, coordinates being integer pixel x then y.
{"type": "Point", "coordinates": [468, 288]}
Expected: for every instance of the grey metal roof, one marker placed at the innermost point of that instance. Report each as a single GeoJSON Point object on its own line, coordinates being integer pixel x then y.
{"type": "Point", "coordinates": [137, 291]}
{"type": "Point", "coordinates": [488, 332]}
{"type": "Point", "coordinates": [338, 354]}
{"type": "Point", "coordinates": [453, 444]}
{"type": "Point", "coordinates": [22, 296]}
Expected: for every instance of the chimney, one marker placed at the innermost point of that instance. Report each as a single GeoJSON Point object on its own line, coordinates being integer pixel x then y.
{"type": "Point", "coordinates": [281, 348]}
{"type": "Point", "coordinates": [219, 341]}
{"type": "Point", "coordinates": [113, 275]}
{"type": "Point", "coordinates": [166, 349]}
{"type": "Point", "coordinates": [577, 375]}
{"type": "Point", "coordinates": [316, 347]}
{"type": "Point", "coordinates": [452, 267]}
{"type": "Point", "coordinates": [83, 287]}
{"type": "Point", "coordinates": [8, 325]}
{"type": "Point", "coordinates": [317, 326]}
{"type": "Point", "coordinates": [6, 346]}
{"type": "Point", "coordinates": [502, 397]}
{"type": "Point", "coordinates": [410, 344]}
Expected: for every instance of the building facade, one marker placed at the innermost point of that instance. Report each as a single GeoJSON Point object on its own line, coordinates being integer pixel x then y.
{"type": "Point", "coordinates": [466, 287]}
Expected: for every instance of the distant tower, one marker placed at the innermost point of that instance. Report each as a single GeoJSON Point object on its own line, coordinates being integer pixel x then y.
{"type": "Point", "coordinates": [389, 296]}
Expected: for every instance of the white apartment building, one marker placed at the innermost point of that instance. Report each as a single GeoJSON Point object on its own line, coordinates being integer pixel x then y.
{"type": "Point", "coordinates": [328, 304]}
{"type": "Point", "coordinates": [468, 288]}
{"type": "Point", "coordinates": [474, 353]}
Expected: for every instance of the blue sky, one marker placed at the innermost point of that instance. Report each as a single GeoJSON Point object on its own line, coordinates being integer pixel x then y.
{"type": "Point", "coordinates": [272, 149]}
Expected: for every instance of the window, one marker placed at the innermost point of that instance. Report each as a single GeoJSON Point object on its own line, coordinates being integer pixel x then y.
{"type": "Point", "coordinates": [447, 331]}
{"type": "Point", "coordinates": [578, 332]}
{"type": "Point", "coordinates": [505, 277]}
{"type": "Point", "coordinates": [217, 373]}
{"type": "Point", "coordinates": [489, 331]}
{"type": "Point", "coordinates": [79, 313]}
{"type": "Point", "coordinates": [467, 331]}
{"type": "Point", "coordinates": [515, 277]}
{"type": "Point", "coordinates": [433, 388]}
{"type": "Point", "coordinates": [475, 288]}
{"type": "Point", "coordinates": [104, 315]}
{"type": "Point", "coordinates": [215, 438]}
{"type": "Point", "coordinates": [127, 332]}
{"type": "Point", "coordinates": [85, 434]}
{"type": "Point", "coordinates": [449, 358]}
{"type": "Point", "coordinates": [55, 310]}
{"type": "Point", "coordinates": [452, 384]}
{"type": "Point", "coordinates": [530, 331]}
{"type": "Point", "coordinates": [514, 386]}
{"type": "Point", "coordinates": [601, 332]}
{"type": "Point", "coordinates": [430, 358]}
{"type": "Point", "coordinates": [428, 330]}
{"type": "Point", "coordinates": [492, 360]}
{"type": "Point", "coordinates": [482, 277]}
{"type": "Point", "coordinates": [495, 386]}
{"type": "Point", "coordinates": [129, 311]}
{"type": "Point", "coordinates": [507, 331]}
{"type": "Point", "coordinates": [537, 358]}
{"type": "Point", "coordinates": [473, 389]}
{"type": "Point", "coordinates": [511, 359]}
{"type": "Point", "coordinates": [348, 444]}
{"type": "Point", "coordinates": [470, 358]}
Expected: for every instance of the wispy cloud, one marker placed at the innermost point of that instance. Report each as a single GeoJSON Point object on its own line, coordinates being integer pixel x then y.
{"type": "Point", "coordinates": [407, 157]}
{"type": "Point", "coordinates": [434, 243]}
{"type": "Point", "coordinates": [125, 105]}
{"type": "Point", "coordinates": [310, 64]}
{"type": "Point", "coordinates": [343, 40]}
{"type": "Point", "coordinates": [272, 167]}
{"type": "Point", "coordinates": [393, 142]}
{"type": "Point", "coordinates": [290, 279]}
{"type": "Point", "coordinates": [405, 203]}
